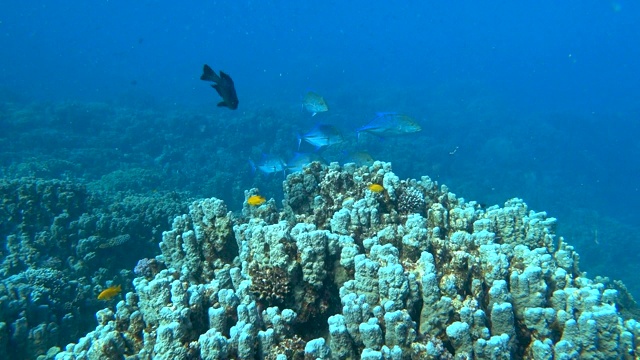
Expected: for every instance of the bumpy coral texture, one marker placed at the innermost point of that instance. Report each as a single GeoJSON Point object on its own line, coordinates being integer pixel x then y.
{"type": "Point", "coordinates": [60, 248]}
{"type": "Point", "coordinates": [355, 276]}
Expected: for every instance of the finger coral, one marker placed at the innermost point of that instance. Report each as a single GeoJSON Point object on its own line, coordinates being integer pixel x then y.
{"type": "Point", "coordinates": [341, 274]}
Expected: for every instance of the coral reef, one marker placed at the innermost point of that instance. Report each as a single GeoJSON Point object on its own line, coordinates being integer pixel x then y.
{"type": "Point", "coordinates": [355, 276]}
{"type": "Point", "coordinates": [411, 200]}
{"type": "Point", "coordinates": [61, 247]}
{"type": "Point", "coordinates": [147, 268]}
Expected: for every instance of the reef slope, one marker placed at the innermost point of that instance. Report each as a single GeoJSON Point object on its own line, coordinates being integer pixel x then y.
{"type": "Point", "coordinates": [343, 272]}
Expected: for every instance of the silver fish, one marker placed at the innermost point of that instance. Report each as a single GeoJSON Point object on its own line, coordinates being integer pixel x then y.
{"type": "Point", "coordinates": [314, 103]}
{"type": "Point", "coordinates": [360, 158]}
{"type": "Point", "coordinates": [390, 124]}
{"type": "Point", "coordinates": [322, 135]}
{"type": "Point", "coordinates": [269, 164]}
{"type": "Point", "coordinates": [299, 160]}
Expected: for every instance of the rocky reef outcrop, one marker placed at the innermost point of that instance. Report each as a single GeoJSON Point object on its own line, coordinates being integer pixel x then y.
{"type": "Point", "coordinates": [344, 272]}
{"type": "Point", "coordinates": [61, 246]}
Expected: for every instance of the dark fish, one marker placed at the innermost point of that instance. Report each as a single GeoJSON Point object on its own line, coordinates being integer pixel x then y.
{"type": "Point", "coordinates": [390, 124]}
{"type": "Point", "coordinates": [223, 85]}
{"type": "Point", "coordinates": [322, 135]}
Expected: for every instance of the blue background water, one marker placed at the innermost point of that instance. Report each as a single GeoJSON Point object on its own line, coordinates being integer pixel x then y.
{"type": "Point", "coordinates": [540, 99]}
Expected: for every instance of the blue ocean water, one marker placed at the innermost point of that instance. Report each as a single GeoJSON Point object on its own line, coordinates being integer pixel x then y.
{"type": "Point", "coordinates": [536, 100]}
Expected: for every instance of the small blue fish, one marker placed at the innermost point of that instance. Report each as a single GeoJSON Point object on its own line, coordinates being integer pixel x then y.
{"type": "Point", "coordinates": [322, 135]}
{"type": "Point", "coordinates": [269, 164]}
{"type": "Point", "coordinates": [314, 103]}
{"type": "Point", "coordinates": [390, 124]}
{"type": "Point", "coordinates": [299, 160]}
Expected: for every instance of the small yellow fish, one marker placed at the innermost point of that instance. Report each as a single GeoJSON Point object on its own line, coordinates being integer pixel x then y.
{"type": "Point", "coordinates": [256, 200]}
{"type": "Point", "coordinates": [376, 188]}
{"type": "Point", "coordinates": [109, 292]}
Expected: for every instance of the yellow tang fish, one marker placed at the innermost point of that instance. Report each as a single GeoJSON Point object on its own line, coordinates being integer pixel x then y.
{"type": "Point", "coordinates": [256, 200]}
{"type": "Point", "coordinates": [109, 292]}
{"type": "Point", "coordinates": [376, 188]}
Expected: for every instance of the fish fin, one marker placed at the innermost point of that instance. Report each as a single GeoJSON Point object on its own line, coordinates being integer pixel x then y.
{"type": "Point", "coordinates": [217, 88]}
{"type": "Point", "coordinates": [299, 140]}
{"type": "Point", "coordinates": [222, 103]}
{"type": "Point", "coordinates": [253, 166]}
{"type": "Point", "coordinates": [208, 74]}
{"type": "Point", "coordinates": [313, 114]}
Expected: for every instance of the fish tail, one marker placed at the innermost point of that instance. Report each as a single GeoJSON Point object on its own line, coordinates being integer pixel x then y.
{"type": "Point", "coordinates": [209, 75]}
{"type": "Point", "coordinates": [299, 140]}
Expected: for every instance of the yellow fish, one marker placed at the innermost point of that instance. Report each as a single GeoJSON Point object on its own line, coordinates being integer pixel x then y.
{"type": "Point", "coordinates": [256, 200]}
{"type": "Point", "coordinates": [109, 292]}
{"type": "Point", "coordinates": [376, 188]}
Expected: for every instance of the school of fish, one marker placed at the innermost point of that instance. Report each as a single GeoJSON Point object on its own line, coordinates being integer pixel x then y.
{"type": "Point", "coordinates": [318, 137]}
{"type": "Point", "coordinates": [322, 135]}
